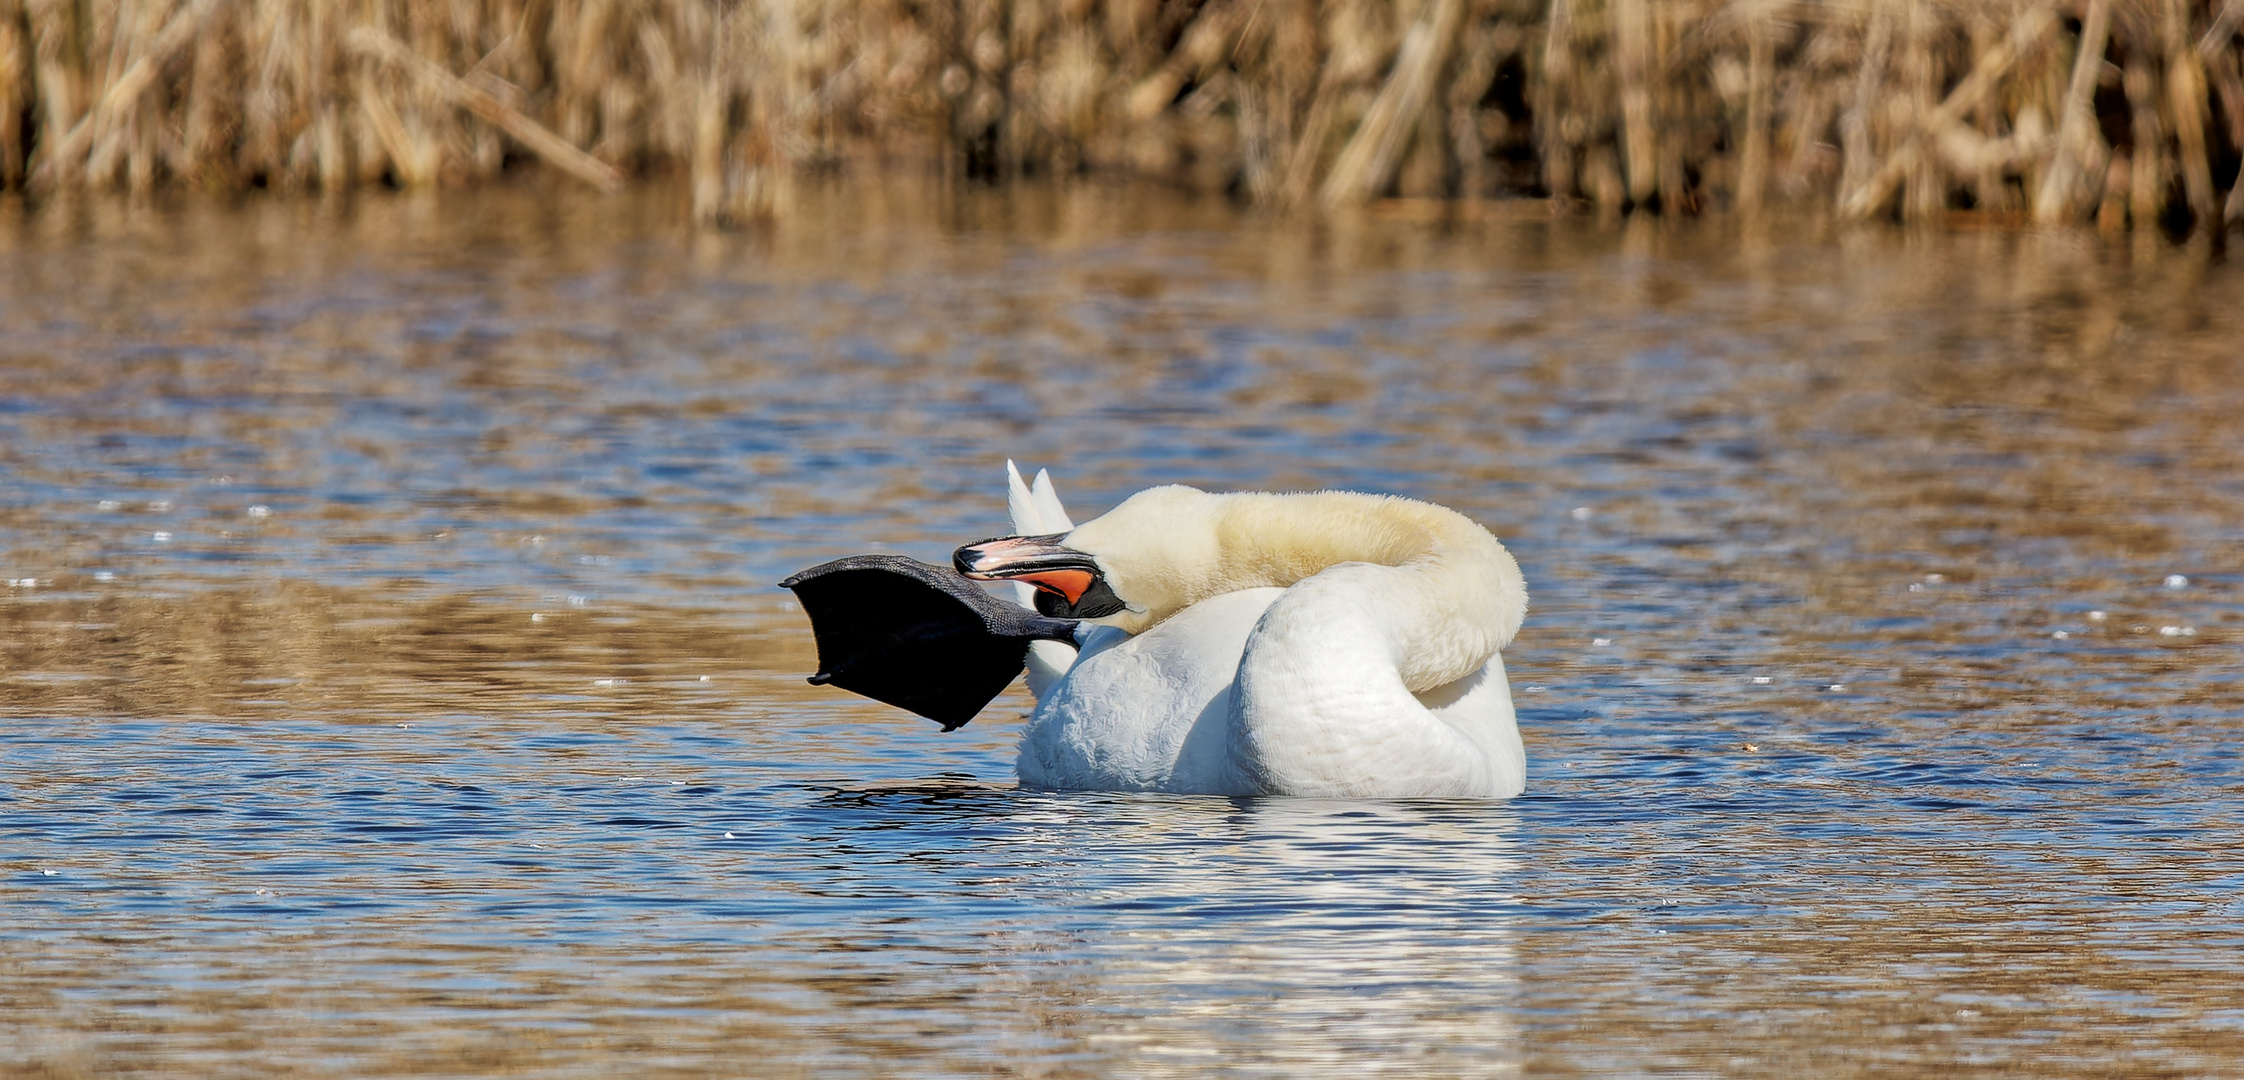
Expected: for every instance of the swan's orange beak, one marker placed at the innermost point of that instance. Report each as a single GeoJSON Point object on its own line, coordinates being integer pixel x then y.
{"type": "Point", "coordinates": [1041, 561]}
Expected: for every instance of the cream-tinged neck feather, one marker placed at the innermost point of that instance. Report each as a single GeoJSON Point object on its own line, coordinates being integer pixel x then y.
{"type": "Point", "coordinates": [1454, 598]}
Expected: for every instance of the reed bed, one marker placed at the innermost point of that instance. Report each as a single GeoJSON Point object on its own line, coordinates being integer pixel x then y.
{"type": "Point", "coordinates": [2122, 112]}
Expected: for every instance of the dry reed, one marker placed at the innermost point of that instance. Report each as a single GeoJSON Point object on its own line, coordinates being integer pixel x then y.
{"type": "Point", "coordinates": [2115, 111]}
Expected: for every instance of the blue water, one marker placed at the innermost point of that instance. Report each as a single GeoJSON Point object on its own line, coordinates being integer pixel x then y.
{"type": "Point", "coordinates": [453, 726]}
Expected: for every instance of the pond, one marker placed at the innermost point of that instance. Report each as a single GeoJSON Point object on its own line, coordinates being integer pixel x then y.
{"type": "Point", "coordinates": [394, 680]}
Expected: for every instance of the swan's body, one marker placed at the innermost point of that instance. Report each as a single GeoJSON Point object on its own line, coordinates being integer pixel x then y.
{"type": "Point", "coordinates": [1317, 644]}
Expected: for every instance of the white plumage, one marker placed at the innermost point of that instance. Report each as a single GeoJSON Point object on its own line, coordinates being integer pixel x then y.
{"type": "Point", "coordinates": [1328, 643]}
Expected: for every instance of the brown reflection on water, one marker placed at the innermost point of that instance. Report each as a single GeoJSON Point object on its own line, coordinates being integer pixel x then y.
{"type": "Point", "coordinates": [295, 648]}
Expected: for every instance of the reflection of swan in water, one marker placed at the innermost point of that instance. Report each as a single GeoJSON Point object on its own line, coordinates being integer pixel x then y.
{"type": "Point", "coordinates": [1163, 937]}
{"type": "Point", "coordinates": [1314, 644]}
{"type": "Point", "coordinates": [1342, 938]}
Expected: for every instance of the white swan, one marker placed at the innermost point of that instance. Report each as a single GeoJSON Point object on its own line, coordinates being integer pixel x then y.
{"type": "Point", "coordinates": [1330, 643]}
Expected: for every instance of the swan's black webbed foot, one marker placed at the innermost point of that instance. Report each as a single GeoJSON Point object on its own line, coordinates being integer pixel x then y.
{"type": "Point", "coordinates": [917, 636]}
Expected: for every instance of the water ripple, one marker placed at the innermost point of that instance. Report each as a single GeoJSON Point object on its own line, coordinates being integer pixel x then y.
{"type": "Point", "coordinates": [394, 682]}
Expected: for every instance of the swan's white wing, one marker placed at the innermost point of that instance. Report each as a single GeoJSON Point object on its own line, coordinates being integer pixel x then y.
{"type": "Point", "coordinates": [1037, 512]}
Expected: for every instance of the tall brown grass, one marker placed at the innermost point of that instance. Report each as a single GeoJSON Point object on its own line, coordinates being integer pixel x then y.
{"type": "Point", "coordinates": [2118, 111]}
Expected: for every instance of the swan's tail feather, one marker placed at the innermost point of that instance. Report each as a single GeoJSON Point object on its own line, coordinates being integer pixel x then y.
{"type": "Point", "coordinates": [1037, 512]}
{"type": "Point", "coordinates": [1020, 502]}
{"type": "Point", "coordinates": [1036, 509]}
{"type": "Point", "coordinates": [1051, 515]}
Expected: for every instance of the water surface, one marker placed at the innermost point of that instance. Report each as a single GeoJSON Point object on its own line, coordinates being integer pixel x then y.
{"type": "Point", "coordinates": [393, 682]}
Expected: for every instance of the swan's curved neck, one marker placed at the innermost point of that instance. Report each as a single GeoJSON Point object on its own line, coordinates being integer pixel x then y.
{"type": "Point", "coordinates": [1446, 593]}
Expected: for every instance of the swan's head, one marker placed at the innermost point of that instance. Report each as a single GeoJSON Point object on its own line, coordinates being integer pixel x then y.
{"type": "Point", "coordinates": [1131, 567]}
